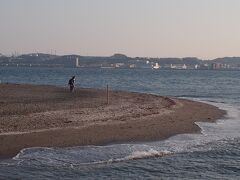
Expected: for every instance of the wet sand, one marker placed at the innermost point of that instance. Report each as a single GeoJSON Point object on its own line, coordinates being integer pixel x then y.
{"type": "Point", "coordinates": [33, 116]}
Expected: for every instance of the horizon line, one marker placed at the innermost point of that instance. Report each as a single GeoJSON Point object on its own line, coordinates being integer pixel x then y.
{"type": "Point", "coordinates": [16, 54]}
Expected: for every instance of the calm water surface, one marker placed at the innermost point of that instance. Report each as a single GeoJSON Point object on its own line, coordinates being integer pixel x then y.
{"type": "Point", "coordinates": [214, 154]}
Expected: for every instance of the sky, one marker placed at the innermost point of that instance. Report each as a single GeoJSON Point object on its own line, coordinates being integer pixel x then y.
{"type": "Point", "coordinates": [148, 28]}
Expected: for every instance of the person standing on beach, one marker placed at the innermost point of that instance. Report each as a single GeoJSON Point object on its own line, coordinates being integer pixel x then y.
{"type": "Point", "coordinates": [71, 83]}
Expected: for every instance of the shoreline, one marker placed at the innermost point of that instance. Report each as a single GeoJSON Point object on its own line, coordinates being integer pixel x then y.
{"type": "Point", "coordinates": [49, 116]}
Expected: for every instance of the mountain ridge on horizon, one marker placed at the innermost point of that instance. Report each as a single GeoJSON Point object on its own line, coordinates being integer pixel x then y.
{"type": "Point", "coordinates": [116, 55]}
{"type": "Point", "coordinates": [115, 60]}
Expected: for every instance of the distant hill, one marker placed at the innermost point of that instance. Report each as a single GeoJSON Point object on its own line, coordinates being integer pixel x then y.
{"type": "Point", "coordinates": [227, 60]}
{"type": "Point", "coordinates": [116, 60]}
{"type": "Point", "coordinates": [119, 56]}
{"type": "Point", "coordinates": [66, 60]}
{"type": "Point", "coordinates": [191, 60]}
{"type": "Point", "coordinates": [34, 58]}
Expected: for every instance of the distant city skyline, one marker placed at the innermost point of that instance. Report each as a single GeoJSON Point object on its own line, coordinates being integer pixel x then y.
{"type": "Point", "coordinates": [205, 29]}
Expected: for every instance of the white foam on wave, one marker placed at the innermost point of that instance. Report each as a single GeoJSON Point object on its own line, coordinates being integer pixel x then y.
{"type": "Point", "coordinates": [147, 154]}
{"type": "Point", "coordinates": [26, 151]}
{"type": "Point", "coordinates": [90, 155]}
{"type": "Point", "coordinates": [225, 128]}
{"type": "Point", "coordinates": [133, 156]}
{"type": "Point", "coordinates": [139, 155]}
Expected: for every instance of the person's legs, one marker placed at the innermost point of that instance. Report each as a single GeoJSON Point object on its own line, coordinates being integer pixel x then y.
{"type": "Point", "coordinates": [71, 88]}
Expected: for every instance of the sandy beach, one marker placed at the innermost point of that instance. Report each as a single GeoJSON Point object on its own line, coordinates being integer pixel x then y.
{"type": "Point", "coordinates": [34, 115]}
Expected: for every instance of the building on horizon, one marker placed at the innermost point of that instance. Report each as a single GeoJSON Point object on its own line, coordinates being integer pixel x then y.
{"type": "Point", "coordinates": [77, 62]}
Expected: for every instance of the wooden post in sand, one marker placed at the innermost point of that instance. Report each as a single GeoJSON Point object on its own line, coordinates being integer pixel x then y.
{"type": "Point", "coordinates": [107, 95]}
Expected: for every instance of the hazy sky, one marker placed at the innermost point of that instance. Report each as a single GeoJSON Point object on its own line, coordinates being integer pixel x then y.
{"type": "Point", "coordinates": [155, 28]}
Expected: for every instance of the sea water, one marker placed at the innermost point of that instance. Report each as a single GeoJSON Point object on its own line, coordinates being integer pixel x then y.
{"type": "Point", "coordinates": [213, 154]}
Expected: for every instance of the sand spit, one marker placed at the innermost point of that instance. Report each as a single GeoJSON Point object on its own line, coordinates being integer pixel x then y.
{"type": "Point", "coordinates": [33, 115]}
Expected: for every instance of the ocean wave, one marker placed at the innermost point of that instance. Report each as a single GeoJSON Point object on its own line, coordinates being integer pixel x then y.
{"type": "Point", "coordinates": [89, 155]}
{"type": "Point", "coordinates": [226, 128]}
{"type": "Point", "coordinates": [145, 154]}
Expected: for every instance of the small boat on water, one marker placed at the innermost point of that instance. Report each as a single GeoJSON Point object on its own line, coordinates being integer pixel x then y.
{"type": "Point", "coordinates": [156, 66]}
